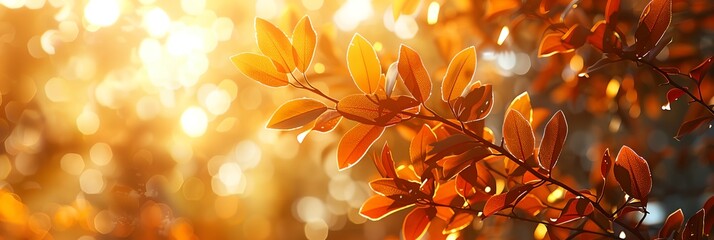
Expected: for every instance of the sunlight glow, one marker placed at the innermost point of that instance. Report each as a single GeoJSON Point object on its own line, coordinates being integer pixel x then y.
{"type": "Point", "coordinates": [504, 34]}
{"type": "Point", "coordinates": [432, 14]}
{"type": "Point", "coordinates": [194, 121]}
{"type": "Point", "coordinates": [102, 13]}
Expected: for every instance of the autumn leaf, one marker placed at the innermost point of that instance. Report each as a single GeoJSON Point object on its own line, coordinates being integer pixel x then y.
{"type": "Point", "coordinates": [458, 74]}
{"type": "Point", "coordinates": [694, 229]}
{"type": "Point", "coordinates": [612, 9]}
{"type": "Point", "coordinates": [378, 207]}
{"type": "Point", "coordinates": [575, 208]}
{"type": "Point", "coordinates": [653, 23]}
{"type": "Point", "coordinates": [531, 204]}
{"type": "Point", "coordinates": [522, 104]}
{"type": "Point", "coordinates": [518, 135]}
{"type": "Point", "coordinates": [709, 218]}
{"type": "Point", "coordinates": [605, 164]}
{"type": "Point", "coordinates": [371, 109]}
{"type": "Point", "coordinates": [552, 44]}
{"type": "Point", "coordinates": [414, 74]}
{"type": "Point", "coordinates": [274, 44]}
{"type": "Point", "coordinates": [363, 64]}
{"type": "Point", "coordinates": [390, 79]}
{"type": "Point", "coordinates": [633, 173]}
{"type": "Point", "coordinates": [355, 143]}
{"type": "Point", "coordinates": [553, 139]}
{"type": "Point", "coordinates": [296, 113]}
{"type": "Point", "coordinates": [495, 7]}
{"type": "Point", "coordinates": [304, 42]}
{"type": "Point", "coordinates": [452, 165]}
{"type": "Point", "coordinates": [385, 163]}
{"type": "Point", "coordinates": [404, 7]}
{"type": "Point", "coordinates": [393, 187]}
{"type": "Point", "coordinates": [452, 145]}
{"type": "Point", "coordinates": [504, 200]}
{"type": "Point", "coordinates": [458, 222]}
{"type": "Point", "coordinates": [698, 72]}
{"type": "Point", "coordinates": [327, 121]}
{"type": "Point", "coordinates": [672, 224]}
{"type": "Point", "coordinates": [697, 115]}
{"type": "Point", "coordinates": [575, 37]}
{"type": "Point", "coordinates": [419, 148]}
{"type": "Point", "coordinates": [259, 68]}
{"type": "Point", "coordinates": [476, 105]}
{"type": "Point", "coordinates": [674, 94]}
{"type": "Point", "coordinates": [416, 222]}
{"type": "Point", "coordinates": [604, 37]}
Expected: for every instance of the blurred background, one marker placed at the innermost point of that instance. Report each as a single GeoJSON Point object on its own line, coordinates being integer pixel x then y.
{"type": "Point", "coordinates": [125, 118]}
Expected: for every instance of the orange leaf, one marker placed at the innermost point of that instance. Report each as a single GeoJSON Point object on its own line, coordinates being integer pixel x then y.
{"type": "Point", "coordinates": [633, 173]}
{"type": "Point", "coordinates": [672, 224]}
{"type": "Point", "coordinates": [378, 207]}
{"type": "Point", "coordinates": [575, 208]}
{"type": "Point", "coordinates": [552, 44]}
{"type": "Point", "coordinates": [476, 105]}
{"type": "Point", "coordinates": [385, 163]}
{"type": "Point", "coordinates": [274, 44]}
{"type": "Point", "coordinates": [259, 68]}
{"type": "Point", "coordinates": [296, 113]}
{"type": "Point", "coordinates": [452, 165]}
{"type": "Point", "coordinates": [416, 222]}
{"type": "Point", "coordinates": [698, 72]}
{"type": "Point", "coordinates": [522, 104]}
{"type": "Point", "coordinates": [355, 143]}
{"type": "Point", "coordinates": [459, 221]}
{"type": "Point", "coordinates": [394, 187]}
{"type": "Point", "coordinates": [611, 10]}
{"type": "Point", "coordinates": [694, 229]}
{"type": "Point", "coordinates": [404, 7]}
{"type": "Point", "coordinates": [553, 139]}
{"type": "Point", "coordinates": [504, 200]}
{"type": "Point", "coordinates": [654, 21]}
{"type": "Point", "coordinates": [697, 115]}
{"type": "Point", "coordinates": [604, 37]}
{"type": "Point", "coordinates": [605, 164]}
{"type": "Point", "coordinates": [304, 42]}
{"type": "Point", "coordinates": [414, 74]}
{"type": "Point", "coordinates": [363, 64]}
{"type": "Point", "coordinates": [576, 36]}
{"type": "Point", "coordinates": [452, 145]}
{"type": "Point", "coordinates": [327, 121]}
{"type": "Point", "coordinates": [419, 148]}
{"type": "Point", "coordinates": [458, 74]}
{"type": "Point", "coordinates": [518, 135]}
{"type": "Point", "coordinates": [531, 204]}
{"type": "Point", "coordinates": [475, 183]}
{"type": "Point", "coordinates": [495, 7]}
{"type": "Point", "coordinates": [372, 109]}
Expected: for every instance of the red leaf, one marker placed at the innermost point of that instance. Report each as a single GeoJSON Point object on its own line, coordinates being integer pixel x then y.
{"type": "Point", "coordinates": [605, 164]}
{"type": "Point", "coordinates": [376, 110]}
{"type": "Point", "coordinates": [327, 121]}
{"type": "Point", "coordinates": [552, 44]}
{"type": "Point", "coordinates": [296, 113]}
{"type": "Point", "coordinates": [518, 135]}
{"type": "Point", "coordinates": [553, 139]}
{"type": "Point", "coordinates": [505, 200]}
{"type": "Point", "coordinates": [672, 224]}
{"type": "Point", "coordinates": [452, 165]}
{"type": "Point", "coordinates": [694, 229]}
{"type": "Point", "coordinates": [414, 74]}
{"type": "Point", "coordinates": [475, 183]}
{"type": "Point", "coordinates": [611, 11]}
{"type": "Point", "coordinates": [419, 148]}
{"type": "Point", "coordinates": [698, 72]}
{"type": "Point", "coordinates": [458, 74]}
{"type": "Point", "coordinates": [697, 115]}
{"type": "Point", "coordinates": [476, 105]}
{"type": "Point", "coordinates": [385, 164]}
{"type": "Point", "coordinates": [378, 207]}
{"type": "Point", "coordinates": [654, 21]}
{"type": "Point", "coordinates": [709, 218]}
{"type": "Point", "coordinates": [416, 222]}
{"type": "Point", "coordinates": [575, 208]}
{"type": "Point", "coordinates": [633, 174]}
{"type": "Point", "coordinates": [446, 194]}
{"type": "Point", "coordinates": [575, 36]}
{"type": "Point", "coordinates": [604, 37]}
{"type": "Point", "coordinates": [355, 143]}
{"type": "Point", "coordinates": [531, 204]}
{"type": "Point", "coordinates": [452, 145]}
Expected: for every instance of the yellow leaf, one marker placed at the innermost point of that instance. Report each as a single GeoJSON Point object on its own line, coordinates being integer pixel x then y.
{"type": "Point", "coordinates": [304, 41]}
{"type": "Point", "coordinates": [458, 74]}
{"type": "Point", "coordinates": [296, 113]}
{"type": "Point", "coordinates": [274, 44]}
{"type": "Point", "coordinates": [363, 64]}
{"type": "Point", "coordinates": [259, 68]}
{"type": "Point", "coordinates": [522, 104]}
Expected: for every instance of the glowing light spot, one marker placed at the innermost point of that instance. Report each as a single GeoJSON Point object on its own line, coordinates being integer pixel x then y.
{"type": "Point", "coordinates": [406, 27]}
{"type": "Point", "coordinates": [612, 88]}
{"type": "Point", "coordinates": [193, 7]}
{"type": "Point", "coordinates": [313, 4]}
{"type": "Point", "coordinates": [223, 28]}
{"type": "Point", "coordinates": [230, 174]}
{"type": "Point", "coordinates": [104, 222]}
{"type": "Point", "coordinates": [72, 163]}
{"type": "Point", "coordinates": [576, 63]}
{"type": "Point", "coordinates": [622, 235]}
{"type": "Point", "coordinates": [540, 231]}
{"type": "Point", "coordinates": [87, 122]}
{"type": "Point", "coordinates": [487, 189]}
{"type": "Point", "coordinates": [615, 124]}
{"type": "Point", "coordinates": [266, 8]}
{"type": "Point", "coordinates": [310, 209]}
{"type": "Point", "coordinates": [194, 121]}
{"type": "Point", "coordinates": [316, 230]}
{"type": "Point", "coordinates": [91, 181]}
{"type": "Point", "coordinates": [377, 46]}
{"type": "Point", "coordinates": [319, 68]}
{"type": "Point", "coordinates": [351, 14]}
{"type": "Point", "coordinates": [556, 195]}
{"type": "Point", "coordinates": [56, 90]}
{"type": "Point", "coordinates": [432, 14]}
{"type": "Point", "coordinates": [217, 102]}
{"type": "Point", "coordinates": [504, 34]}
{"type": "Point", "coordinates": [102, 13]}
{"type": "Point", "coordinates": [156, 22]}
{"type": "Point", "coordinates": [101, 154]}
{"type": "Point", "coordinates": [453, 236]}
{"type": "Point", "coordinates": [507, 60]}
{"type": "Point", "coordinates": [147, 108]}
{"type": "Point", "coordinates": [302, 135]}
